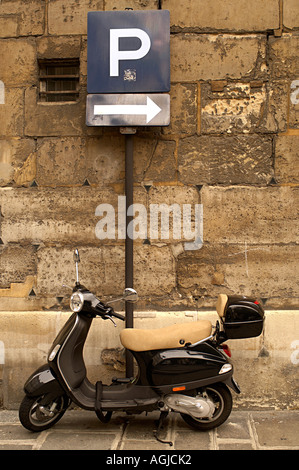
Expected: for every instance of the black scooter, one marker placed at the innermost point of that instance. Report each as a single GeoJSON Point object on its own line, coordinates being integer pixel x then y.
{"type": "Point", "coordinates": [183, 368]}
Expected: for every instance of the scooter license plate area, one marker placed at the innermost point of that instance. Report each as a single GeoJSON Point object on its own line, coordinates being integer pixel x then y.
{"type": "Point", "coordinates": [235, 385]}
{"type": "Point", "coordinates": [180, 366]}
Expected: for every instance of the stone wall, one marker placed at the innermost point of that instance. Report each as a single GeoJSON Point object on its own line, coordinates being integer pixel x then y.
{"type": "Point", "coordinates": [232, 145]}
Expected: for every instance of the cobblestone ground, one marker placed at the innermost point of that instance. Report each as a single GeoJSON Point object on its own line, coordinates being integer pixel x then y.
{"type": "Point", "coordinates": [81, 430]}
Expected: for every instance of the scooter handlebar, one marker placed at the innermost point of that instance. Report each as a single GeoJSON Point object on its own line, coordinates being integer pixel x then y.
{"type": "Point", "coordinates": [107, 312]}
{"type": "Point", "coordinates": [118, 315]}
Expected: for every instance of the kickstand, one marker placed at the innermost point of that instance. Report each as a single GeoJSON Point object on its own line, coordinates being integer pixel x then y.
{"type": "Point", "coordinates": [160, 422]}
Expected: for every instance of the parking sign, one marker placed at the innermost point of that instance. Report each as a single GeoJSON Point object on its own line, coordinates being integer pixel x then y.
{"type": "Point", "coordinates": [128, 52]}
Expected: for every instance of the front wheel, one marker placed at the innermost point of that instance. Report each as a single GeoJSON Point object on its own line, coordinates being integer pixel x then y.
{"type": "Point", "coordinates": [36, 416]}
{"type": "Point", "coordinates": [221, 397]}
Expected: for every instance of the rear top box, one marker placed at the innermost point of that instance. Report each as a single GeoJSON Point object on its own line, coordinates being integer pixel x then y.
{"type": "Point", "coordinates": [243, 317]}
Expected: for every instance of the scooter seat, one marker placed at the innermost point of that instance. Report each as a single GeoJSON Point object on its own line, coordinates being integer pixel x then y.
{"type": "Point", "coordinates": [174, 336]}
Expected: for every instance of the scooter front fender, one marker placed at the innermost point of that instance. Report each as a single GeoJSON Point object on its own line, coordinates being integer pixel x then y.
{"type": "Point", "coordinates": [42, 382]}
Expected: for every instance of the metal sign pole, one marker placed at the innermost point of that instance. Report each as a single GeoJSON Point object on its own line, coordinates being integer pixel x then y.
{"type": "Point", "coordinates": [120, 96]}
{"type": "Point", "coordinates": [129, 238]}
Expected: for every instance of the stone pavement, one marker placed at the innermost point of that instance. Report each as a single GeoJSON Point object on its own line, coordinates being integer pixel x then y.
{"type": "Point", "coordinates": [81, 430]}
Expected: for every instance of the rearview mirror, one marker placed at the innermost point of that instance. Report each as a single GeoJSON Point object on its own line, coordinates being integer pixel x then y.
{"type": "Point", "coordinates": [76, 256]}
{"type": "Point", "coordinates": [130, 295]}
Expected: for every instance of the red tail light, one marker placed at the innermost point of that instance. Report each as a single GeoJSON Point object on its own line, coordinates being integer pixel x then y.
{"type": "Point", "coordinates": [226, 350]}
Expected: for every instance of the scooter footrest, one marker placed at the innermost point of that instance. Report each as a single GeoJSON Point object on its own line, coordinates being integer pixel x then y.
{"type": "Point", "coordinates": [104, 417]}
{"type": "Point", "coordinates": [120, 380]}
{"type": "Point", "coordinates": [99, 394]}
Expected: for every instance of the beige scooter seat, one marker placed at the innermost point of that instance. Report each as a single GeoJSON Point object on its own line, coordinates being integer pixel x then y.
{"type": "Point", "coordinates": [174, 336]}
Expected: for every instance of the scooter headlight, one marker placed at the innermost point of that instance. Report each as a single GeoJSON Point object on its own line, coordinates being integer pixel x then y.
{"type": "Point", "coordinates": [77, 301]}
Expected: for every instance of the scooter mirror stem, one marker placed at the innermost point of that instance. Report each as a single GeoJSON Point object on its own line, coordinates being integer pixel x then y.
{"type": "Point", "coordinates": [77, 274]}
{"type": "Point", "coordinates": [77, 261]}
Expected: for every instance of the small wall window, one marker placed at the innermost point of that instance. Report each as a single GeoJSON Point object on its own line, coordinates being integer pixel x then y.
{"type": "Point", "coordinates": [59, 80]}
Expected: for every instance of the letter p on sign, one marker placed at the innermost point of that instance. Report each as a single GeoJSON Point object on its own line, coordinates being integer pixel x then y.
{"type": "Point", "coordinates": [116, 55]}
{"type": "Point", "coordinates": [126, 44]}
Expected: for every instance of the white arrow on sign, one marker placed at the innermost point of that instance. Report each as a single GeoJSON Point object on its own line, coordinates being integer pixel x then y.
{"type": "Point", "coordinates": [150, 109]}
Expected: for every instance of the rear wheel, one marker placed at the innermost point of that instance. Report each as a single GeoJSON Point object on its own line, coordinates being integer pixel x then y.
{"type": "Point", "coordinates": [221, 397]}
{"type": "Point", "coordinates": [36, 416]}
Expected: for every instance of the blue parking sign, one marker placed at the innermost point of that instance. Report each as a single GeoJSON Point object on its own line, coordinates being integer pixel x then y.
{"type": "Point", "coordinates": [128, 51]}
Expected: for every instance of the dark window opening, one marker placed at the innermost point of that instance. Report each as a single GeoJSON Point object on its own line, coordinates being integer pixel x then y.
{"type": "Point", "coordinates": [59, 80]}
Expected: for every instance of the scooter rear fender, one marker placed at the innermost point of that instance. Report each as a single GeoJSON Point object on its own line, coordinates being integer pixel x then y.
{"type": "Point", "coordinates": [230, 382]}
{"type": "Point", "coordinates": [42, 382]}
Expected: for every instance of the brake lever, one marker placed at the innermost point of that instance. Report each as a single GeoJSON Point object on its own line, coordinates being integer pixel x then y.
{"type": "Point", "coordinates": [109, 318]}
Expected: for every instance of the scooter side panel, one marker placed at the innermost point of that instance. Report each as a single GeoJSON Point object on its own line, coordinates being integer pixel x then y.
{"type": "Point", "coordinates": [42, 381]}
{"type": "Point", "coordinates": [183, 365]}
{"type": "Point", "coordinates": [195, 384]}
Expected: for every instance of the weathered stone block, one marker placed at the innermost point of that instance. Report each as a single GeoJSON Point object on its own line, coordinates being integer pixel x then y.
{"type": "Point", "coordinates": [102, 269]}
{"type": "Point", "coordinates": [291, 14]}
{"type": "Point", "coordinates": [244, 107]}
{"type": "Point", "coordinates": [26, 18]}
{"type": "Point", "coordinates": [18, 62]}
{"type": "Point", "coordinates": [55, 267]}
{"type": "Point", "coordinates": [263, 272]}
{"type": "Point", "coordinates": [53, 119]}
{"type": "Point", "coordinates": [8, 26]}
{"type": "Point", "coordinates": [12, 113]}
{"type": "Point", "coordinates": [17, 262]}
{"type": "Point", "coordinates": [294, 105]}
{"type": "Point", "coordinates": [172, 215]}
{"type": "Point", "coordinates": [154, 160]}
{"type": "Point", "coordinates": [236, 15]}
{"type": "Point", "coordinates": [183, 109]}
{"type": "Point", "coordinates": [6, 168]}
{"type": "Point", "coordinates": [206, 57]}
{"type": "Point", "coordinates": [225, 160]}
{"type": "Point", "coordinates": [257, 270]}
{"type": "Point", "coordinates": [70, 17]}
{"type": "Point", "coordinates": [105, 159]}
{"type": "Point", "coordinates": [250, 214]}
{"type": "Point", "coordinates": [26, 174]}
{"type": "Point", "coordinates": [286, 159]}
{"type": "Point", "coordinates": [59, 215]}
{"type": "Point", "coordinates": [18, 293]}
{"type": "Point", "coordinates": [173, 194]}
{"type": "Point", "coordinates": [52, 47]}
{"type": "Point", "coordinates": [283, 55]}
{"type": "Point", "coordinates": [12, 155]}
{"type": "Point", "coordinates": [52, 216]}
{"type": "Point", "coordinates": [275, 115]}
{"type": "Point", "coordinates": [32, 17]}
{"type": "Point", "coordinates": [154, 273]}
{"type": "Point", "coordinates": [61, 161]}
{"type": "Point", "coordinates": [83, 62]}
{"type": "Point", "coordinates": [134, 4]}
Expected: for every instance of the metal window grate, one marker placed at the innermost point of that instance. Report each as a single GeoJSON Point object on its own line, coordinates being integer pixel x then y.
{"type": "Point", "coordinates": [59, 80]}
